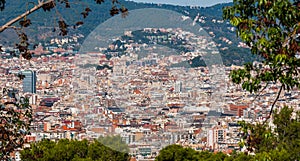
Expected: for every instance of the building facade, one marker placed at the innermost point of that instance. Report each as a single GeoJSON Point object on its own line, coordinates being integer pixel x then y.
{"type": "Point", "coordinates": [29, 81]}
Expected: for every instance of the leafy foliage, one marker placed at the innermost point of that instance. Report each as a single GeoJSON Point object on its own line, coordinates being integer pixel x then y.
{"type": "Point", "coordinates": [49, 6]}
{"type": "Point", "coordinates": [282, 140]}
{"type": "Point", "coordinates": [23, 46]}
{"type": "Point", "coordinates": [115, 143]}
{"type": "Point", "coordinates": [177, 152]}
{"type": "Point", "coordinates": [74, 150]}
{"type": "Point", "coordinates": [270, 29]}
{"type": "Point", "coordinates": [15, 119]}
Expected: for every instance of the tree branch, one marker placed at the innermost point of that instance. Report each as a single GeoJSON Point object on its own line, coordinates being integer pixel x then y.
{"type": "Point", "coordinates": [272, 107]}
{"type": "Point", "coordinates": [258, 94]}
{"type": "Point", "coordinates": [278, 94]}
{"type": "Point", "coordinates": [35, 8]}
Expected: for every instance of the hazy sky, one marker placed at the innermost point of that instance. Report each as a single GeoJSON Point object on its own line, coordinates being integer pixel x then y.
{"type": "Point", "coordinates": [202, 3]}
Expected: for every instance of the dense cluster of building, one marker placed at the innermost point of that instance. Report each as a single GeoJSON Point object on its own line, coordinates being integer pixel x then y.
{"type": "Point", "coordinates": [146, 101]}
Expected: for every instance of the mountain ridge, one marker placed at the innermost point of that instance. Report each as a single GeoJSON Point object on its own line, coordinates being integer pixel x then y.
{"type": "Point", "coordinates": [212, 23]}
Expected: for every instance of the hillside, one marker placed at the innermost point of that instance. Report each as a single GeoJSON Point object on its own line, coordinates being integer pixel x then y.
{"type": "Point", "coordinates": [43, 23]}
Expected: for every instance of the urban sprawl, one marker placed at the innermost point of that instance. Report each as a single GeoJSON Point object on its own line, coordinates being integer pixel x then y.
{"type": "Point", "coordinates": [145, 100]}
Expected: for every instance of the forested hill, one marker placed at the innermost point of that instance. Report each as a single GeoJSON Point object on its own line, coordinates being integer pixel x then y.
{"type": "Point", "coordinates": [43, 23]}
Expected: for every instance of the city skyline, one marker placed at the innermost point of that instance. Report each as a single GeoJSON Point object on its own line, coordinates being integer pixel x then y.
{"type": "Point", "coordinates": [163, 76]}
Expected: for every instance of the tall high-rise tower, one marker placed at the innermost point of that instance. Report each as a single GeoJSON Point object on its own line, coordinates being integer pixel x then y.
{"type": "Point", "coordinates": [29, 82]}
{"type": "Point", "coordinates": [178, 86]}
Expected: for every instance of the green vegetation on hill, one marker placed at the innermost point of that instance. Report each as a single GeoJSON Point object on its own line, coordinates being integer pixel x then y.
{"type": "Point", "coordinates": [43, 24]}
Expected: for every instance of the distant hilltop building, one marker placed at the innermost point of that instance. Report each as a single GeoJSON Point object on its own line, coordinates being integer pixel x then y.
{"type": "Point", "coordinates": [29, 81]}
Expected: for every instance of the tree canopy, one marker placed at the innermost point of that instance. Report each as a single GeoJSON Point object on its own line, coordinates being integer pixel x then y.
{"type": "Point", "coordinates": [177, 152]}
{"type": "Point", "coordinates": [271, 29]}
{"type": "Point", "coordinates": [282, 139]}
{"type": "Point", "coordinates": [74, 150]}
{"type": "Point", "coordinates": [115, 143]}
{"type": "Point", "coordinates": [15, 119]}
